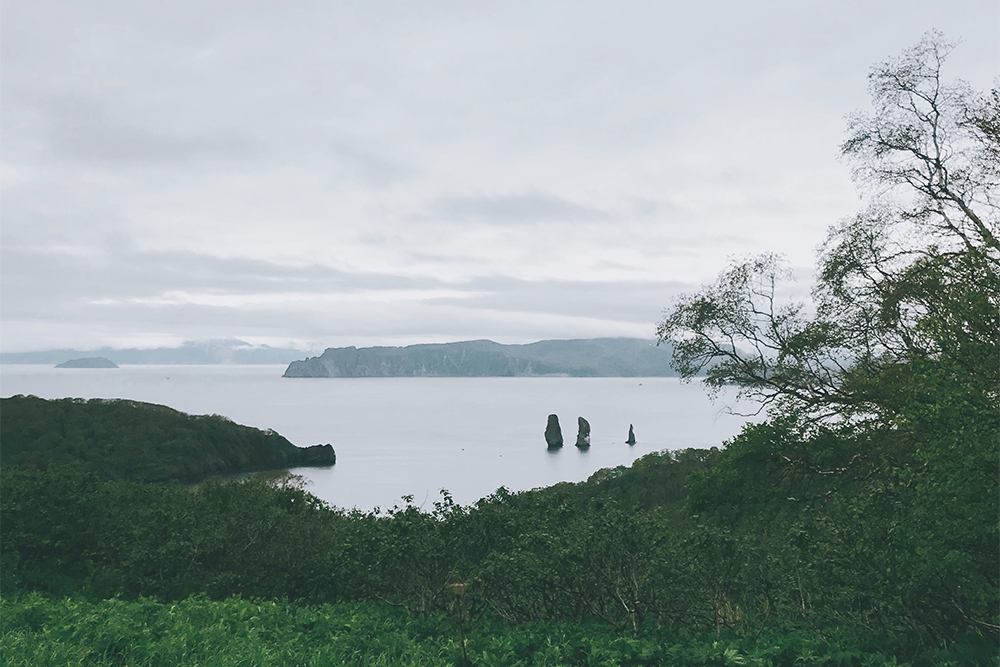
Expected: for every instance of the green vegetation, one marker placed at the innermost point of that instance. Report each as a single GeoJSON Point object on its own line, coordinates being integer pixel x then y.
{"type": "Point", "coordinates": [857, 525]}
{"type": "Point", "coordinates": [121, 439]}
{"type": "Point", "coordinates": [881, 452]}
{"type": "Point", "coordinates": [41, 632]}
{"type": "Point", "coordinates": [599, 357]}
{"type": "Point", "coordinates": [908, 288]}
{"type": "Point", "coordinates": [590, 573]}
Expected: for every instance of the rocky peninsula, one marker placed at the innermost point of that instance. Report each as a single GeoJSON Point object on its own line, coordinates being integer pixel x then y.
{"type": "Point", "coordinates": [130, 440]}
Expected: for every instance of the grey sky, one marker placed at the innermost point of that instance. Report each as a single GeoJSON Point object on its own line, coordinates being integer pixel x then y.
{"type": "Point", "coordinates": [337, 173]}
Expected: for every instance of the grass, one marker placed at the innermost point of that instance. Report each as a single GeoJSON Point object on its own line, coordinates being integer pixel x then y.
{"type": "Point", "coordinates": [41, 631]}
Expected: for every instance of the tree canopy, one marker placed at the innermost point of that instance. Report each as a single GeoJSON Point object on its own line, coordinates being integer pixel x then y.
{"type": "Point", "coordinates": [882, 396]}
{"type": "Point", "coordinates": [913, 276]}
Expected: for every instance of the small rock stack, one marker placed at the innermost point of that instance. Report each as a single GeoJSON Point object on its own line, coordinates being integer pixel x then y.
{"type": "Point", "coordinates": [583, 434]}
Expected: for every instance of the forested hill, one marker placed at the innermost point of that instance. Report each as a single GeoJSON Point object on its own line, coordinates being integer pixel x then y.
{"type": "Point", "coordinates": [129, 440]}
{"type": "Point", "coordinates": [598, 357]}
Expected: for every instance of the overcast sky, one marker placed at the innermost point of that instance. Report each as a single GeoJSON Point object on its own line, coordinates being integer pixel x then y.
{"type": "Point", "coordinates": [357, 173]}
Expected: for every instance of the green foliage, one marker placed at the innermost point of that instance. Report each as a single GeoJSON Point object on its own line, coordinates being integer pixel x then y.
{"type": "Point", "coordinates": [121, 439]}
{"type": "Point", "coordinates": [562, 559]}
{"type": "Point", "coordinates": [38, 631]}
{"type": "Point", "coordinates": [870, 494]}
{"type": "Point", "coordinates": [657, 480]}
{"type": "Point", "coordinates": [66, 531]}
{"type": "Point", "coordinates": [569, 552]}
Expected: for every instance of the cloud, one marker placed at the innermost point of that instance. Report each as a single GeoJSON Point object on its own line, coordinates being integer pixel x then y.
{"type": "Point", "coordinates": [126, 293]}
{"type": "Point", "coordinates": [620, 301]}
{"type": "Point", "coordinates": [525, 208]}
{"type": "Point", "coordinates": [86, 130]}
{"type": "Point", "coordinates": [368, 166]}
{"type": "Point", "coordinates": [36, 279]}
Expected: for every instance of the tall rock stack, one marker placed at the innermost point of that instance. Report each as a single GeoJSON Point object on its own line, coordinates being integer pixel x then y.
{"type": "Point", "coordinates": [631, 436]}
{"type": "Point", "coordinates": [583, 434]}
{"type": "Point", "coordinates": [553, 434]}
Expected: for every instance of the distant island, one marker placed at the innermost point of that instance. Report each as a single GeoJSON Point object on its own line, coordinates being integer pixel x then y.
{"type": "Point", "coordinates": [88, 362]}
{"type": "Point", "coordinates": [144, 442]}
{"type": "Point", "coordinates": [597, 357]}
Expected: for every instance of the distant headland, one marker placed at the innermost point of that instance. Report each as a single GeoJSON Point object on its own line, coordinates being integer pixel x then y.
{"type": "Point", "coordinates": [596, 357]}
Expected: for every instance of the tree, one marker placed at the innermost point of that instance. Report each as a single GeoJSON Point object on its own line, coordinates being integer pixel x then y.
{"type": "Point", "coordinates": [912, 276]}
{"type": "Point", "coordinates": [883, 398]}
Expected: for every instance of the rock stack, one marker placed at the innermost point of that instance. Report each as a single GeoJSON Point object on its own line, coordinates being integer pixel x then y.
{"type": "Point", "coordinates": [318, 455]}
{"type": "Point", "coordinates": [553, 434]}
{"type": "Point", "coordinates": [631, 436]}
{"type": "Point", "coordinates": [583, 435]}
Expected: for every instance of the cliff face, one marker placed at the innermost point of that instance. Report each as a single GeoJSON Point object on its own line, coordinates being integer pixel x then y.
{"type": "Point", "coordinates": [602, 357]}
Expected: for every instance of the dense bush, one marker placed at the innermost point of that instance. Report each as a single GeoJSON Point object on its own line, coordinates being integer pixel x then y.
{"type": "Point", "coordinates": [568, 554]}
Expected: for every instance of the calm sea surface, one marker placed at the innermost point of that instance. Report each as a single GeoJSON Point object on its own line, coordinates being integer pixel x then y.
{"type": "Point", "coordinates": [398, 436]}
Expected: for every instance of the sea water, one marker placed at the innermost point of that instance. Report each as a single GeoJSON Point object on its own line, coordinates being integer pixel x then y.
{"type": "Point", "coordinates": [416, 436]}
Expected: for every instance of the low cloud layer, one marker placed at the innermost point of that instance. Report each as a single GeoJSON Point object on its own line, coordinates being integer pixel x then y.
{"type": "Point", "coordinates": [524, 208]}
{"type": "Point", "coordinates": [169, 295]}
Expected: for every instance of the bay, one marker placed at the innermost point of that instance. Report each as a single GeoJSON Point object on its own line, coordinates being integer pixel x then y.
{"type": "Point", "coordinates": [416, 436]}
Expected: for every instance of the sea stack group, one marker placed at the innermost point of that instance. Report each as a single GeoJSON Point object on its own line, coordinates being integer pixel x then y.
{"type": "Point", "coordinates": [554, 437]}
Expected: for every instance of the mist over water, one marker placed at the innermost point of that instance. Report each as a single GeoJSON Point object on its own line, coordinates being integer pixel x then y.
{"type": "Point", "coordinates": [415, 436]}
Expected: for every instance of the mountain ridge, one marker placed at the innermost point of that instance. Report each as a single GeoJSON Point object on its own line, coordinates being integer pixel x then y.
{"type": "Point", "coordinates": [226, 351]}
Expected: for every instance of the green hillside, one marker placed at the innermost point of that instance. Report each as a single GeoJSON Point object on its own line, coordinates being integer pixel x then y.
{"type": "Point", "coordinates": [120, 439]}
